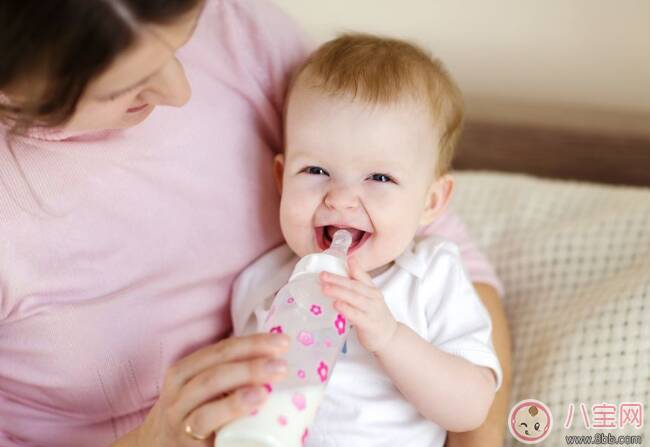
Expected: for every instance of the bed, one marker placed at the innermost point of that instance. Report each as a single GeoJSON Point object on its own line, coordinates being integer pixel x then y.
{"type": "Point", "coordinates": [564, 215]}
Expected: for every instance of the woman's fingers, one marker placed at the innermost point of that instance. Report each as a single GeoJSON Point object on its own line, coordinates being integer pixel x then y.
{"type": "Point", "coordinates": [214, 415]}
{"type": "Point", "coordinates": [223, 378]}
{"type": "Point", "coordinates": [228, 350]}
{"type": "Point", "coordinates": [212, 386]}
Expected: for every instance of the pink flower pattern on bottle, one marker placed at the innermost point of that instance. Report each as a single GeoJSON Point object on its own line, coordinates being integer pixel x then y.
{"type": "Point", "coordinates": [322, 371]}
{"type": "Point", "coordinates": [299, 401]}
{"type": "Point", "coordinates": [306, 338]}
{"type": "Point", "coordinates": [339, 323]}
{"type": "Point", "coordinates": [276, 330]}
{"type": "Point", "coordinates": [316, 310]}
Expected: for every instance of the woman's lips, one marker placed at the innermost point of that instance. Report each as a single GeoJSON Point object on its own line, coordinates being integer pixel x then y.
{"type": "Point", "coordinates": [137, 109]}
{"type": "Point", "coordinates": [324, 241]}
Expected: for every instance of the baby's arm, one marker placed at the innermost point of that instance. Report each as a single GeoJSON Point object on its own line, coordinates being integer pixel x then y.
{"type": "Point", "coordinates": [446, 389]}
{"type": "Point", "coordinates": [430, 372]}
{"type": "Point", "coordinates": [490, 290]}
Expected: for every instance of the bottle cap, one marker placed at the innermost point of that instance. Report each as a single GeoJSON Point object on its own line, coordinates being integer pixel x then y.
{"type": "Point", "coordinates": [320, 262]}
{"type": "Point", "coordinates": [331, 260]}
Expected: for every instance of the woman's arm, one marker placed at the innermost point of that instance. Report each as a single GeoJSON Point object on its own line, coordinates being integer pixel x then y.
{"type": "Point", "coordinates": [491, 433]}
{"type": "Point", "coordinates": [209, 388]}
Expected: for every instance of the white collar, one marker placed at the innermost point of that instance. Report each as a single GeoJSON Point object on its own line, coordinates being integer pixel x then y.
{"type": "Point", "coordinates": [411, 262]}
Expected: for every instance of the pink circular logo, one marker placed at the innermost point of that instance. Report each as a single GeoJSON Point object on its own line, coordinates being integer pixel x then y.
{"type": "Point", "coordinates": [530, 421]}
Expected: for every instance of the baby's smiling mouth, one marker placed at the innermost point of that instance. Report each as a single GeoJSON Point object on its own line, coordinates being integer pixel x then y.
{"type": "Point", "coordinates": [325, 233]}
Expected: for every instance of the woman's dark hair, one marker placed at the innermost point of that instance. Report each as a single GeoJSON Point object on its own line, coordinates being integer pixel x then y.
{"type": "Point", "coordinates": [56, 47]}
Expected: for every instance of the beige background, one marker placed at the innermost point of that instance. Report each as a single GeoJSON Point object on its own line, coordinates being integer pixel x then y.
{"type": "Point", "coordinates": [565, 62]}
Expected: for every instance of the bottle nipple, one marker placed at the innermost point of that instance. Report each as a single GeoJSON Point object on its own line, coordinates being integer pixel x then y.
{"type": "Point", "coordinates": [340, 244]}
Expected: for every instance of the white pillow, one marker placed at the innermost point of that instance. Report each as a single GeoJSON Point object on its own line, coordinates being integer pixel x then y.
{"type": "Point", "coordinates": [575, 262]}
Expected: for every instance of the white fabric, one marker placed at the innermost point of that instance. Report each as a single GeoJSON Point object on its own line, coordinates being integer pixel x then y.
{"type": "Point", "coordinates": [426, 289]}
{"type": "Point", "coordinates": [575, 262]}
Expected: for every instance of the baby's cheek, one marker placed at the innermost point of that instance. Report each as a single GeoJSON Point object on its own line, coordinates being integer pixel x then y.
{"type": "Point", "coordinates": [295, 209]}
{"type": "Point", "coordinates": [398, 231]}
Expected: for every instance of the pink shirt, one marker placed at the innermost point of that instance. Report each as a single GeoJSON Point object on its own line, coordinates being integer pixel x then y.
{"type": "Point", "coordinates": [118, 254]}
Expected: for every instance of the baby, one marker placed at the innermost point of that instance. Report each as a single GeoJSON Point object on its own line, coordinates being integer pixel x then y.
{"type": "Point", "coordinates": [371, 125]}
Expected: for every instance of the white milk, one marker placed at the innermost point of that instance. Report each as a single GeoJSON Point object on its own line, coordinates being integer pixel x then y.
{"type": "Point", "coordinates": [282, 421]}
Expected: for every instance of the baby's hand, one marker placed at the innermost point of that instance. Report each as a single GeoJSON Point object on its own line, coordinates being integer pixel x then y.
{"type": "Point", "coordinates": [363, 306]}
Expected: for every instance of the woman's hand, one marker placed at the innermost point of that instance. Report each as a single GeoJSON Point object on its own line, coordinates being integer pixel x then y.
{"type": "Point", "coordinates": [211, 387]}
{"type": "Point", "coordinates": [362, 304]}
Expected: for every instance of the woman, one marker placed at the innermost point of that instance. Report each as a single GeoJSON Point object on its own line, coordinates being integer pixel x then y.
{"type": "Point", "coordinates": [124, 222]}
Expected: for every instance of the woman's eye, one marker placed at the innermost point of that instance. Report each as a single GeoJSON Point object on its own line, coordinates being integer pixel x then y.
{"type": "Point", "coordinates": [118, 95]}
{"type": "Point", "coordinates": [382, 178]}
{"type": "Point", "coordinates": [315, 170]}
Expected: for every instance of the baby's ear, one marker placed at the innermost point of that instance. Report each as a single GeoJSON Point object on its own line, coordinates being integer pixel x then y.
{"type": "Point", "coordinates": [437, 199]}
{"type": "Point", "coordinates": [278, 171]}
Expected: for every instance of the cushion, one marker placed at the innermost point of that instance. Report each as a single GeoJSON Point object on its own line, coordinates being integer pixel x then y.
{"type": "Point", "coordinates": [575, 262]}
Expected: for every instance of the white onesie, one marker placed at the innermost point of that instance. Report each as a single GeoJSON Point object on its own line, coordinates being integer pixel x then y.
{"type": "Point", "coordinates": [427, 290]}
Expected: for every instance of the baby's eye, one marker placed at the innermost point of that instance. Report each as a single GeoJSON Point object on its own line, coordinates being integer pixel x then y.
{"type": "Point", "coordinates": [314, 170]}
{"type": "Point", "coordinates": [382, 178]}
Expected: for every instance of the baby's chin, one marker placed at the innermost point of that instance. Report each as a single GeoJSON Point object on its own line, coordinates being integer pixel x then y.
{"type": "Point", "coordinates": [373, 268]}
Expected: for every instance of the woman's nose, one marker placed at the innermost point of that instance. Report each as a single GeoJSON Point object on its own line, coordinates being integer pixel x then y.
{"type": "Point", "coordinates": [341, 197]}
{"type": "Point", "coordinates": [169, 87]}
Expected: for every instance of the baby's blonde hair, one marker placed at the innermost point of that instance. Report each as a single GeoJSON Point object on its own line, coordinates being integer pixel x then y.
{"type": "Point", "coordinates": [382, 71]}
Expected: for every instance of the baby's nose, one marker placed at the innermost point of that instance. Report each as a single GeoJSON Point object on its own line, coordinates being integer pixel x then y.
{"type": "Point", "coordinates": [341, 197]}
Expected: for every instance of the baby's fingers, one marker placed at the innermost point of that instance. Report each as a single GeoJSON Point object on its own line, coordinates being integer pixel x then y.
{"type": "Point", "coordinates": [354, 285]}
{"type": "Point", "coordinates": [356, 272]}
{"type": "Point", "coordinates": [353, 314]}
{"type": "Point", "coordinates": [341, 293]}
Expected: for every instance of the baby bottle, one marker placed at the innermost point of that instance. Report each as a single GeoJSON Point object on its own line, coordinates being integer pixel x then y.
{"type": "Point", "coordinates": [317, 334]}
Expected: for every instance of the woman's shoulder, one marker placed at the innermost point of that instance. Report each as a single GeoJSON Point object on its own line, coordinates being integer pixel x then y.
{"type": "Point", "coordinates": [257, 30]}
{"type": "Point", "coordinates": [251, 46]}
